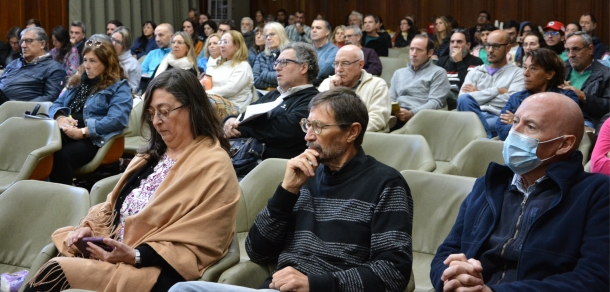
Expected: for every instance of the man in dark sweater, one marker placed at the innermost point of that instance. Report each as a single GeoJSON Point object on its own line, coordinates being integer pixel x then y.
{"type": "Point", "coordinates": [458, 63]}
{"type": "Point", "coordinates": [380, 42]}
{"type": "Point", "coordinates": [538, 223]}
{"type": "Point", "coordinates": [340, 220]}
{"type": "Point", "coordinates": [278, 127]}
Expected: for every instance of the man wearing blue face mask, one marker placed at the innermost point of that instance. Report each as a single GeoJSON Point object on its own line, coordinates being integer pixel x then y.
{"type": "Point", "coordinates": [540, 223]}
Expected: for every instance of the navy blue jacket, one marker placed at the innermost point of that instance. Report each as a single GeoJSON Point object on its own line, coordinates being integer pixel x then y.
{"type": "Point", "coordinates": [515, 101]}
{"type": "Point", "coordinates": [40, 81]}
{"type": "Point", "coordinates": [566, 248]}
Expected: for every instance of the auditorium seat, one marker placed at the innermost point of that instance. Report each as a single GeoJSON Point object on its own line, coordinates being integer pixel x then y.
{"type": "Point", "coordinates": [389, 66]}
{"type": "Point", "coordinates": [474, 159]}
{"type": "Point", "coordinates": [447, 132]}
{"type": "Point", "coordinates": [13, 108]}
{"type": "Point", "coordinates": [107, 154]}
{"type": "Point", "coordinates": [437, 199]}
{"type": "Point", "coordinates": [402, 152]}
{"type": "Point", "coordinates": [27, 146]}
{"type": "Point", "coordinates": [135, 140]}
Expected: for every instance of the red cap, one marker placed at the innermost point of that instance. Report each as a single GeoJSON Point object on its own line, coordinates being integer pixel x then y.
{"type": "Point", "coordinates": [555, 25]}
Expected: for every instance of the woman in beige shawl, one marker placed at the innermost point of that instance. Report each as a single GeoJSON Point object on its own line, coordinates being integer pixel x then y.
{"type": "Point", "coordinates": [171, 215]}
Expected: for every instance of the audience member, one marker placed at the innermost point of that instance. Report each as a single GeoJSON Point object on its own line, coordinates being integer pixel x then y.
{"type": "Point", "coordinates": [188, 26]}
{"type": "Point", "coordinates": [78, 35]}
{"type": "Point", "coordinates": [483, 19]}
{"type": "Point", "coordinates": [146, 42]}
{"type": "Point", "coordinates": [111, 26]}
{"type": "Point", "coordinates": [588, 24]}
{"type": "Point", "coordinates": [63, 52]}
{"type": "Point", "coordinates": [95, 108]}
{"type": "Point", "coordinates": [372, 64]}
{"type": "Point", "coordinates": [572, 27]}
{"type": "Point", "coordinates": [526, 27]}
{"type": "Point", "coordinates": [420, 85]}
{"type": "Point", "coordinates": [404, 35]}
{"type": "Point", "coordinates": [192, 14]}
{"type": "Point", "coordinates": [232, 76]}
{"type": "Point", "coordinates": [338, 36]}
{"type": "Point", "coordinates": [282, 17]}
{"type": "Point", "coordinates": [531, 41]}
{"type": "Point", "coordinates": [121, 40]}
{"type": "Point", "coordinates": [511, 27]}
{"type": "Point", "coordinates": [554, 35]}
{"type": "Point", "coordinates": [259, 18]}
{"type": "Point", "coordinates": [13, 50]}
{"type": "Point", "coordinates": [34, 76]}
{"type": "Point", "coordinates": [270, 18]}
{"type": "Point", "coordinates": [203, 18]}
{"type": "Point", "coordinates": [479, 50]}
{"type": "Point", "coordinates": [257, 48]}
{"type": "Point", "coordinates": [355, 18]}
{"type": "Point", "coordinates": [299, 31]}
{"type": "Point", "coordinates": [171, 215]}
{"type": "Point", "coordinates": [544, 72]}
{"type": "Point", "coordinates": [458, 63]}
{"type": "Point", "coordinates": [32, 23]}
{"type": "Point", "coordinates": [309, 226]}
{"type": "Point", "coordinates": [379, 42]}
{"type": "Point", "coordinates": [590, 80]}
{"type": "Point", "coordinates": [182, 55]}
{"type": "Point", "coordinates": [210, 54]}
{"type": "Point", "coordinates": [320, 30]}
{"type": "Point", "coordinates": [163, 35]}
{"type": "Point", "coordinates": [279, 128]}
{"type": "Point", "coordinates": [292, 19]}
{"type": "Point", "coordinates": [247, 27]}
{"type": "Point", "coordinates": [373, 91]}
{"type": "Point", "coordinates": [209, 27]}
{"type": "Point", "coordinates": [441, 37]}
{"type": "Point", "coordinates": [486, 89]}
{"type": "Point", "coordinates": [265, 75]}
{"type": "Point", "coordinates": [515, 219]}
{"type": "Point", "coordinates": [600, 158]}
{"type": "Point", "coordinates": [226, 26]}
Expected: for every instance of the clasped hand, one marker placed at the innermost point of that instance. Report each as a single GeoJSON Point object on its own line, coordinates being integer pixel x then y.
{"type": "Point", "coordinates": [69, 127]}
{"type": "Point", "coordinates": [122, 253]}
{"type": "Point", "coordinates": [463, 274]}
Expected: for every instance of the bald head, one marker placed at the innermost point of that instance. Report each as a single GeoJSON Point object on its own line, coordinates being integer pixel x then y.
{"type": "Point", "coordinates": [163, 35]}
{"type": "Point", "coordinates": [352, 51]}
{"type": "Point", "coordinates": [501, 36]}
{"type": "Point", "coordinates": [554, 115]}
{"type": "Point", "coordinates": [349, 62]}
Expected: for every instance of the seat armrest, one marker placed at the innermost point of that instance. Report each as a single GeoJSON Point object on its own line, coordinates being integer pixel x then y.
{"type": "Point", "coordinates": [247, 274]}
{"type": "Point", "coordinates": [47, 253]}
{"type": "Point", "coordinates": [229, 260]}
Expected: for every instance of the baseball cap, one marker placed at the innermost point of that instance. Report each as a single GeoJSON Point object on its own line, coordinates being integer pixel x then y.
{"type": "Point", "coordinates": [555, 25]}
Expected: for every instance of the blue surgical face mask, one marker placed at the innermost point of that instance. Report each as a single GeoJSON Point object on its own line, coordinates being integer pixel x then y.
{"type": "Point", "coordinates": [520, 152]}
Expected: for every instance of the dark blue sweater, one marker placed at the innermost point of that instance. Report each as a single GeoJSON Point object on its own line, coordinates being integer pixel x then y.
{"type": "Point", "coordinates": [40, 81]}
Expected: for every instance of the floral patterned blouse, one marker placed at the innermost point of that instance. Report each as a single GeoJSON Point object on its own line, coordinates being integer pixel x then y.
{"type": "Point", "coordinates": [140, 196]}
{"type": "Point", "coordinates": [71, 60]}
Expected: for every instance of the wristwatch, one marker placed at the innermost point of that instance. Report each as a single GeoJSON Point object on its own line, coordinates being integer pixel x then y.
{"type": "Point", "coordinates": [84, 133]}
{"type": "Point", "coordinates": [138, 260]}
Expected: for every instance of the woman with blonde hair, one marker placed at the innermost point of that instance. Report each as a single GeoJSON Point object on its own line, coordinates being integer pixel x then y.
{"type": "Point", "coordinates": [232, 77]}
{"type": "Point", "coordinates": [210, 54]}
{"type": "Point", "coordinates": [182, 55]}
{"type": "Point", "coordinates": [441, 37]}
{"type": "Point", "coordinates": [264, 72]}
{"type": "Point", "coordinates": [338, 36]}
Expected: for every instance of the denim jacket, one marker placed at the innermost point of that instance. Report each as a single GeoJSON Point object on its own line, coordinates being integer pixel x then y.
{"type": "Point", "coordinates": [106, 112]}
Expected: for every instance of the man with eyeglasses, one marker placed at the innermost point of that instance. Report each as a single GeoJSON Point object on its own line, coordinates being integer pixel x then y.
{"type": "Point", "coordinates": [372, 64]}
{"type": "Point", "coordinates": [164, 33]}
{"type": "Point", "coordinates": [487, 88]}
{"type": "Point", "coordinates": [554, 36]}
{"type": "Point", "coordinates": [225, 26]}
{"type": "Point", "coordinates": [475, 32]}
{"type": "Point", "coordinates": [373, 91]}
{"type": "Point", "coordinates": [421, 85]}
{"type": "Point", "coordinates": [320, 29]}
{"type": "Point", "coordinates": [339, 220]}
{"type": "Point", "coordinates": [35, 76]}
{"type": "Point", "coordinates": [278, 126]}
{"type": "Point", "coordinates": [589, 79]}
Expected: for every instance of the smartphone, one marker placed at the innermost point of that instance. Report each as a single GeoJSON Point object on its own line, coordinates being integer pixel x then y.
{"type": "Point", "coordinates": [36, 108]}
{"type": "Point", "coordinates": [99, 241]}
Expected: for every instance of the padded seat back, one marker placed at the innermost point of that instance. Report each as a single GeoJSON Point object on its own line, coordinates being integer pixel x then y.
{"type": "Point", "coordinates": [256, 188]}
{"type": "Point", "coordinates": [30, 211]}
{"type": "Point", "coordinates": [401, 152]}
{"type": "Point", "coordinates": [14, 108]}
{"type": "Point", "coordinates": [135, 140]}
{"type": "Point", "coordinates": [101, 189]}
{"type": "Point", "coordinates": [447, 132]}
{"type": "Point", "coordinates": [437, 199]}
{"type": "Point", "coordinates": [389, 66]}
{"type": "Point", "coordinates": [474, 159]}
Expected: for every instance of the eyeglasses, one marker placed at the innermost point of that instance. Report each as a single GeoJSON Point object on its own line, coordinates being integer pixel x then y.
{"type": "Point", "coordinates": [269, 35]}
{"type": "Point", "coordinates": [115, 41]}
{"type": "Point", "coordinates": [223, 42]}
{"type": "Point", "coordinates": [163, 114]}
{"type": "Point", "coordinates": [348, 36]}
{"type": "Point", "coordinates": [178, 43]}
{"type": "Point", "coordinates": [551, 33]}
{"type": "Point", "coordinates": [574, 50]}
{"type": "Point", "coordinates": [494, 46]}
{"type": "Point", "coordinates": [317, 125]}
{"type": "Point", "coordinates": [281, 63]}
{"type": "Point", "coordinates": [95, 44]}
{"type": "Point", "coordinates": [27, 41]}
{"type": "Point", "coordinates": [343, 64]}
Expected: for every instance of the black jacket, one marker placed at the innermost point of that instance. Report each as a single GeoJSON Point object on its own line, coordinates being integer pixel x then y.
{"type": "Point", "coordinates": [281, 132]}
{"type": "Point", "coordinates": [456, 72]}
{"type": "Point", "coordinates": [381, 45]}
{"type": "Point", "coordinates": [597, 92]}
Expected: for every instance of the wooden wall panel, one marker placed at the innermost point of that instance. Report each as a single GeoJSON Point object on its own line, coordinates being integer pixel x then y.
{"type": "Point", "coordinates": [465, 12]}
{"type": "Point", "coordinates": [51, 13]}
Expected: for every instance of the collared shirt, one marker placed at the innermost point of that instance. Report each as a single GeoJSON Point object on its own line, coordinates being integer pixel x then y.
{"type": "Point", "coordinates": [518, 183]}
{"type": "Point", "coordinates": [295, 36]}
{"type": "Point", "coordinates": [292, 90]}
{"type": "Point", "coordinates": [578, 79]}
{"type": "Point", "coordinates": [37, 59]}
